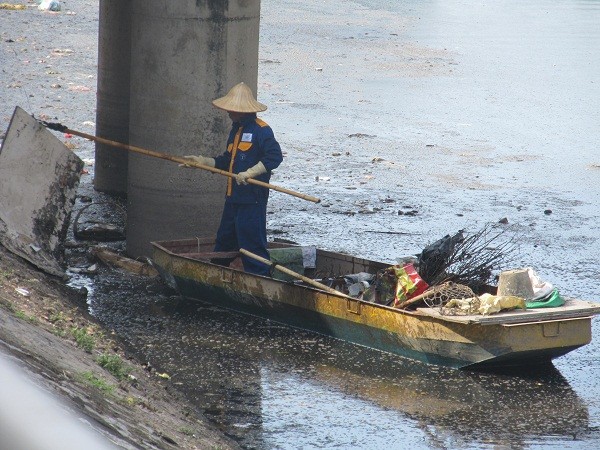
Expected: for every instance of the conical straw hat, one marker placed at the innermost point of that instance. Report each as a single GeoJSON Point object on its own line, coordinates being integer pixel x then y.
{"type": "Point", "coordinates": [239, 99]}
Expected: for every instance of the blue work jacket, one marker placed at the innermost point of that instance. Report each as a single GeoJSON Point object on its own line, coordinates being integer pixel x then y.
{"type": "Point", "coordinates": [250, 141]}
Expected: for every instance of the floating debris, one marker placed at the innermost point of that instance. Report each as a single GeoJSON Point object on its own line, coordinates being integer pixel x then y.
{"type": "Point", "coordinates": [97, 230]}
{"type": "Point", "coordinates": [91, 270]}
{"type": "Point", "coordinates": [24, 292]}
{"type": "Point", "coordinates": [112, 258]}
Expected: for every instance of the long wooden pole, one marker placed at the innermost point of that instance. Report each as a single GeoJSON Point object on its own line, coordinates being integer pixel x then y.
{"type": "Point", "coordinates": [294, 274]}
{"type": "Point", "coordinates": [177, 159]}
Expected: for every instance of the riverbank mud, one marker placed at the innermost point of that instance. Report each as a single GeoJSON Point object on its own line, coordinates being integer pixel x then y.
{"type": "Point", "coordinates": [46, 328]}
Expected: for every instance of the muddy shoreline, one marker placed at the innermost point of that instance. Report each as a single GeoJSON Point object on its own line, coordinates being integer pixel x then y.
{"type": "Point", "coordinates": [142, 410]}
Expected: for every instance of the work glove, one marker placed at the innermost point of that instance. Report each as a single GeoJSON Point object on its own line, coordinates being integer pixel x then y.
{"type": "Point", "coordinates": [252, 172]}
{"type": "Point", "coordinates": [204, 160]}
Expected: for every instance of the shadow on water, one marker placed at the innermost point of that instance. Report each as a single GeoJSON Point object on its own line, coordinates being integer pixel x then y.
{"type": "Point", "coordinates": [271, 386]}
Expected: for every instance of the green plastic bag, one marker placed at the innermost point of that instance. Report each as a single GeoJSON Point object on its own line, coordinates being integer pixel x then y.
{"type": "Point", "coordinates": [552, 300]}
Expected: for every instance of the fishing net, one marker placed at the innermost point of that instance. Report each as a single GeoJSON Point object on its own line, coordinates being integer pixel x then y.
{"type": "Point", "coordinates": [438, 296]}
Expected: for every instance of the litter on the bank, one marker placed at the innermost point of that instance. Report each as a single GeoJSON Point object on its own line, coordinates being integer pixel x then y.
{"type": "Point", "coordinates": [12, 6]}
{"type": "Point", "coordinates": [112, 258]}
{"type": "Point", "coordinates": [80, 88]}
{"type": "Point", "coordinates": [103, 232]}
{"type": "Point", "coordinates": [49, 5]}
{"type": "Point", "coordinates": [91, 270]}
{"type": "Point", "coordinates": [23, 292]}
{"type": "Point", "coordinates": [62, 51]}
{"type": "Point", "coordinates": [96, 230]}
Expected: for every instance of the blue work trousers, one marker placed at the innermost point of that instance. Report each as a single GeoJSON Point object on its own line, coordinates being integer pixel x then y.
{"type": "Point", "coordinates": [244, 225]}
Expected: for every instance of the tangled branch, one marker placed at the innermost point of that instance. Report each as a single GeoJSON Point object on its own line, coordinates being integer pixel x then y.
{"type": "Point", "coordinates": [471, 260]}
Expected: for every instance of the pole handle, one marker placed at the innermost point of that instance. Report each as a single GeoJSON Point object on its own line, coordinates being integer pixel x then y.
{"type": "Point", "coordinates": [294, 274]}
{"type": "Point", "coordinates": [176, 159]}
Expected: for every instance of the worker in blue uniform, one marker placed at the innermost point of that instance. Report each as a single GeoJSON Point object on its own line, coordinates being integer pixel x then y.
{"type": "Point", "coordinates": [252, 152]}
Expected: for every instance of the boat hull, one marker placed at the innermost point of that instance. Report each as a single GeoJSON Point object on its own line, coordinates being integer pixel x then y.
{"type": "Point", "coordinates": [411, 334]}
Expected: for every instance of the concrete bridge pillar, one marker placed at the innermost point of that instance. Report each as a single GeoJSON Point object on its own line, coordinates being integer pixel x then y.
{"type": "Point", "coordinates": [112, 103]}
{"type": "Point", "coordinates": [184, 54]}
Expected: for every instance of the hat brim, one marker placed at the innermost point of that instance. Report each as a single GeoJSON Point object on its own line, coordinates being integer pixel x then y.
{"type": "Point", "coordinates": [248, 106]}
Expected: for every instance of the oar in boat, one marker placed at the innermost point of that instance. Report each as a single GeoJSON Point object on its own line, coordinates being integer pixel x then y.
{"type": "Point", "coordinates": [294, 274]}
{"type": "Point", "coordinates": [180, 160]}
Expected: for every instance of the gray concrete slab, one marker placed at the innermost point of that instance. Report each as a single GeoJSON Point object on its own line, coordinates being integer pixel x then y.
{"type": "Point", "coordinates": [39, 176]}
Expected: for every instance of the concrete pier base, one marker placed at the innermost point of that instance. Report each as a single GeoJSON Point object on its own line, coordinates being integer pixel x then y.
{"type": "Point", "coordinates": [184, 55]}
{"type": "Point", "coordinates": [112, 108]}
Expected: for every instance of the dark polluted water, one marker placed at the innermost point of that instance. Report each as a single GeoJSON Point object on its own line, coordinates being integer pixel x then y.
{"type": "Point", "coordinates": [463, 112]}
{"type": "Point", "coordinates": [270, 386]}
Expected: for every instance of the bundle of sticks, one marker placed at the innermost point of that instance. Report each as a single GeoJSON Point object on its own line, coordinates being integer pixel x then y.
{"type": "Point", "coordinates": [469, 259]}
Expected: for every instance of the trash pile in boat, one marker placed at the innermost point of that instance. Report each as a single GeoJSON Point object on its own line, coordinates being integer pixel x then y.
{"type": "Point", "coordinates": [456, 275]}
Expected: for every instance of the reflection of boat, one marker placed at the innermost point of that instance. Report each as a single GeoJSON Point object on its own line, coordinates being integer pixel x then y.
{"type": "Point", "coordinates": [473, 407]}
{"type": "Point", "coordinates": [522, 337]}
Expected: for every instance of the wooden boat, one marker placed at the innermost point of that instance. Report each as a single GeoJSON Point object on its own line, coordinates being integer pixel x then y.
{"type": "Point", "coordinates": [505, 339]}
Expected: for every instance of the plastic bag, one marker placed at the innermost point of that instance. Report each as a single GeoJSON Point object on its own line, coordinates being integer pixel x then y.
{"type": "Point", "coordinates": [49, 5]}
{"type": "Point", "coordinates": [490, 304]}
{"type": "Point", "coordinates": [409, 283]}
{"type": "Point", "coordinates": [552, 300]}
{"type": "Point", "coordinates": [395, 284]}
